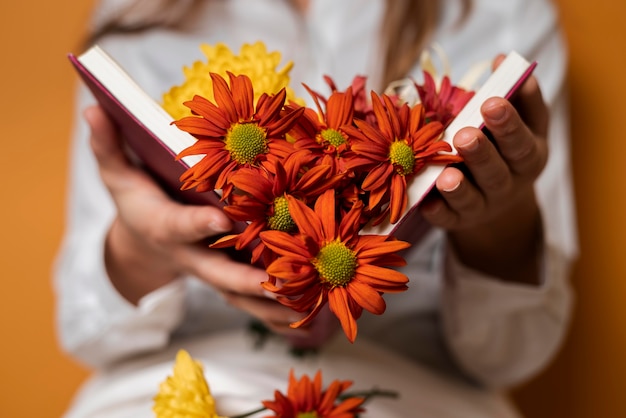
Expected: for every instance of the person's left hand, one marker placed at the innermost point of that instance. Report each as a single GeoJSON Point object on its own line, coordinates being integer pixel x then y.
{"type": "Point", "coordinates": [490, 211]}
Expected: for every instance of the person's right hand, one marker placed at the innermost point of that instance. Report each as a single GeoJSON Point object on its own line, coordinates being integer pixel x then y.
{"type": "Point", "coordinates": [154, 240]}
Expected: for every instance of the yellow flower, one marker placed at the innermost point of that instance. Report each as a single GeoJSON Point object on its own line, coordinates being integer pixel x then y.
{"type": "Point", "coordinates": [186, 394]}
{"type": "Point", "coordinates": [253, 61]}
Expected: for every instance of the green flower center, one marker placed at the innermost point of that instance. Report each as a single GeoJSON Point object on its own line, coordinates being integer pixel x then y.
{"type": "Point", "coordinates": [311, 414]}
{"type": "Point", "coordinates": [245, 142]}
{"type": "Point", "coordinates": [281, 219]}
{"type": "Point", "coordinates": [402, 157]}
{"type": "Point", "coordinates": [333, 137]}
{"type": "Point", "coordinates": [336, 263]}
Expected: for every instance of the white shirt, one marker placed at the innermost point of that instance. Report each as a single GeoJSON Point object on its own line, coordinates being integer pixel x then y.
{"type": "Point", "coordinates": [498, 333]}
{"type": "Point", "coordinates": [241, 376]}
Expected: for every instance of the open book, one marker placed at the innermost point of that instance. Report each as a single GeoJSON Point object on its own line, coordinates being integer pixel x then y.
{"type": "Point", "coordinates": [155, 141]}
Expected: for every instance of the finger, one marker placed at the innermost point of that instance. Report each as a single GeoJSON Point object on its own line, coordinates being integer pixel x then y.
{"type": "Point", "coordinates": [497, 61]}
{"type": "Point", "coordinates": [519, 147]}
{"type": "Point", "coordinates": [461, 196]}
{"type": "Point", "coordinates": [456, 201]}
{"type": "Point", "coordinates": [489, 171]}
{"type": "Point", "coordinates": [532, 108]}
{"type": "Point", "coordinates": [218, 269]}
{"type": "Point", "coordinates": [178, 223]}
{"type": "Point", "coordinates": [141, 202]}
{"type": "Point", "coordinates": [275, 316]}
{"type": "Point", "coordinates": [529, 102]}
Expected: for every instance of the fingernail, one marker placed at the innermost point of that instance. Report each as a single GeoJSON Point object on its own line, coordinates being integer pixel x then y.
{"type": "Point", "coordinates": [496, 113]}
{"type": "Point", "coordinates": [470, 145]}
{"type": "Point", "coordinates": [452, 188]}
{"type": "Point", "coordinates": [218, 226]}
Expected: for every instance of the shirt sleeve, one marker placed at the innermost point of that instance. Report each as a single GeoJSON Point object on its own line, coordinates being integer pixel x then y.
{"type": "Point", "coordinates": [503, 333]}
{"type": "Point", "coordinates": [95, 323]}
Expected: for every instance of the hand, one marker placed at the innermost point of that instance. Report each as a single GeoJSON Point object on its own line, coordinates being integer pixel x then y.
{"type": "Point", "coordinates": [491, 212]}
{"type": "Point", "coordinates": [154, 240]}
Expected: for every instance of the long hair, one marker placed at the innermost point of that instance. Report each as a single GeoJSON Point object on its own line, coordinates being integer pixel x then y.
{"type": "Point", "coordinates": [406, 27]}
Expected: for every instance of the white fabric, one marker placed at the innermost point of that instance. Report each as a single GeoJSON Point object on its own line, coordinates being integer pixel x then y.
{"type": "Point", "coordinates": [499, 333]}
{"type": "Point", "coordinates": [241, 376]}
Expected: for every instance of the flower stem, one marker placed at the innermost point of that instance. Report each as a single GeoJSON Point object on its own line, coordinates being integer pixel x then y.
{"type": "Point", "coordinates": [247, 414]}
{"type": "Point", "coordinates": [368, 394]}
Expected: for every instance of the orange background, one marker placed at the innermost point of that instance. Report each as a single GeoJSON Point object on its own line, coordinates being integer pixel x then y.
{"type": "Point", "coordinates": [36, 380]}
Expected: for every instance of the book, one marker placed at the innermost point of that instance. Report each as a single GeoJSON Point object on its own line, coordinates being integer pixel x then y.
{"type": "Point", "coordinates": [151, 137]}
{"type": "Point", "coordinates": [144, 124]}
{"type": "Point", "coordinates": [504, 81]}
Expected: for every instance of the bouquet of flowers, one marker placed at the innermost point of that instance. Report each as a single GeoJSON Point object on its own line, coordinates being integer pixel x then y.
{"type": "Point", "coordinates": [307, 179]}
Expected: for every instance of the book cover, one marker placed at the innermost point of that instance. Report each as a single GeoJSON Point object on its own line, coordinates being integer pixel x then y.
{"type": "Point", "coordinates": [146, 128]}
{"type": "Point", "coordinates": [155, 142]}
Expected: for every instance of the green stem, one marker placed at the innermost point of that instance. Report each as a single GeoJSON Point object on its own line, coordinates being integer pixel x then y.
{"type": "Point", "coordinates": [368, 394]}
{"type": "Point", "coordinates": [247, 414]}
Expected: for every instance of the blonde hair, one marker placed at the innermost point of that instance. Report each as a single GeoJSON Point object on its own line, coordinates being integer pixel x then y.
{"type": "Point", "coordinates": [406, 28]}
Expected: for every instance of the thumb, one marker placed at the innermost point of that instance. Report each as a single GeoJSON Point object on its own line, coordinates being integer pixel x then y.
{"type": "Point", "coordinates": [142, 205]}
{"type": "Point", "coordinates": [180, 223]}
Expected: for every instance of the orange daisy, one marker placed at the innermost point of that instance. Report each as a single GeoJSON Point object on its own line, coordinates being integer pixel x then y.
{"type": "Point", "coordinates": [328, 261]}
{"type": "Point", "coordinates": [322, 132]}
{"type": "Point", "coordinates": [233, 133]}
{"type": "Point", "coordinates": [261, 200]}
{"type": "Point", "coordinates": [396, 148]}
{"type": "Point", "coordinates": [306, 399]}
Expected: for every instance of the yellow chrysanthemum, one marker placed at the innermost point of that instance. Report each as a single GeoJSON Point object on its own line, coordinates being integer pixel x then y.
{"type": "Point", "coordinates": [186, 394]}
{"type": "Point", "coordinates": [253, 60]}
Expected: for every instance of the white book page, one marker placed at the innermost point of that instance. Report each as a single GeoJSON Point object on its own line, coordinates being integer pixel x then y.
{"type": "Point", "coordinates": [137, 101]}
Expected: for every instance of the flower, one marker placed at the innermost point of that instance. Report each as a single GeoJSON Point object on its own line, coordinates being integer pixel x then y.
{"type": "Point", "coordinates": [442, 104]}
{"type": "Point", "coordinates": [306, 399]}
{"type": "Point", "coordinates": [322, 132]}
{"type": "Point", "coordinates": [233, 133]}
{"type": "Point", "coordinates": [186, 394]}
{"type": "Point", "coordinates": [395, 149]}
{"type": "Point", "coordinates": [262, 200]}
{"type": "Point", "coordinates": [329, 261]}
{"type": "Point", "coordinates": [253, 60]}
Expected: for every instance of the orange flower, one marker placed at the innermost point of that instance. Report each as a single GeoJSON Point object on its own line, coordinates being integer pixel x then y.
{"type": "Point", "coordinates": [398, 147]}
{"type": "Point", "coordinates": [445, 104]}
{"type": "Point", "coordinates": [233, 133]}
{"type": "Point", "coordinates": [306, 399]}
{"type": "Point", "coordinates": [322, 132]}
{"type": "Point", "coordinates": [330, 262]}
{"type": "Point", "coordinates": [262, 200]}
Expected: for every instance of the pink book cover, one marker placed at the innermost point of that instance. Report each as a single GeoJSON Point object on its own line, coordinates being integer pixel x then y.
{"type": "Point", "coordinates": [155, 156]}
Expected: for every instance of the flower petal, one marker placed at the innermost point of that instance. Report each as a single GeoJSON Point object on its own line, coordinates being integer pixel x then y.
{"type": "Point", "coordinates": [284, 244]}
{"type": "Point", "coordinates": [325, 209]}
{"type": "Point", "coordinates": [382, 274]}
{"type": "Point", "coordinates": [305, 218]}
{"type": "Point", "coordinates": [366, 297]}
{"type": "Point", "coordinates": [339, 305]}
